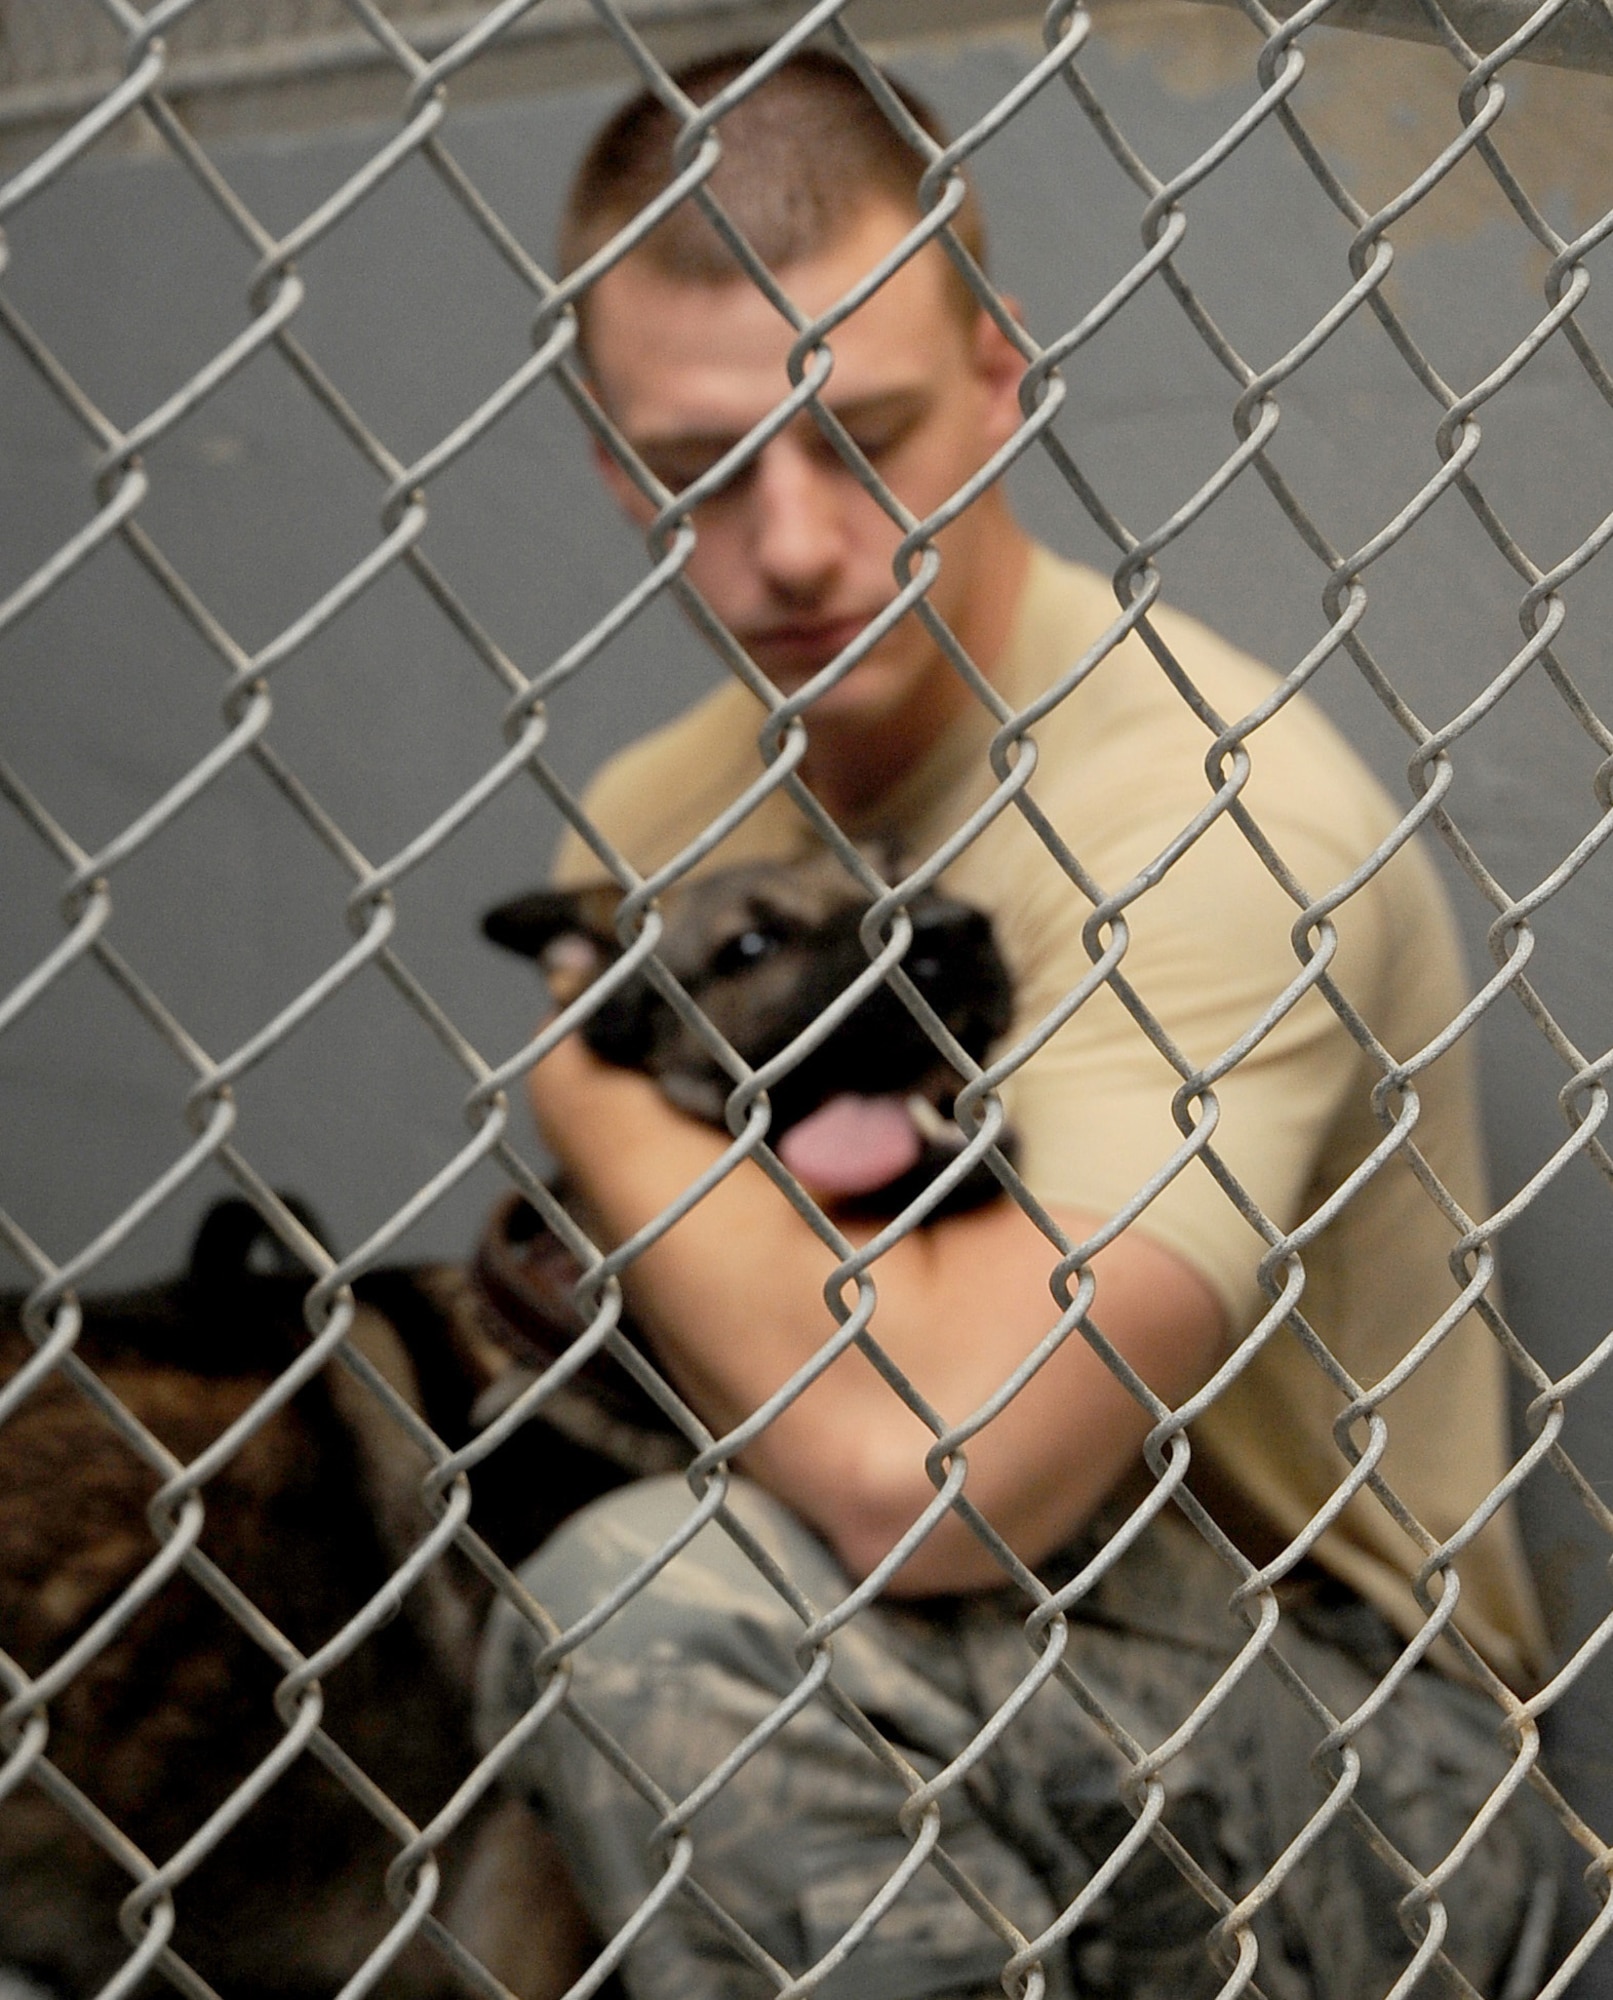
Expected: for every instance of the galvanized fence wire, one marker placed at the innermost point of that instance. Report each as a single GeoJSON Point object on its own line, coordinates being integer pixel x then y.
{"type": "Point", "coordinates": [275, 296]}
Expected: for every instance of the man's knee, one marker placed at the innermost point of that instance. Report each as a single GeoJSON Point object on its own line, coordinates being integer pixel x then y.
{"type": "Point", "coordinates": [697, 1674]}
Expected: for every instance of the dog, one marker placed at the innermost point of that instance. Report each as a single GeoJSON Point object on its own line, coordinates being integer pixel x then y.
{"type": "Point", "coordinates": [310, 1516]}
{"type": "Point", "coordinates": [865, 1119]}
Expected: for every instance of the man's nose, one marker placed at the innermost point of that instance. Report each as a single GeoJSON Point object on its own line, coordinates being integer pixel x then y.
{"type": "Point", "coordinates": [800, 525]}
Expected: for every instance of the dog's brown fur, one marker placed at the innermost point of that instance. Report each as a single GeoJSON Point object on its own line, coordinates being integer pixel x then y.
{"type": "Point", "coordinates": [309, 1517]}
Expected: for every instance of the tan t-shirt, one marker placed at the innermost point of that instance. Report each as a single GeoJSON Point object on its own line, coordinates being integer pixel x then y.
{"type": "Point", "coordinates": [1120, 780]}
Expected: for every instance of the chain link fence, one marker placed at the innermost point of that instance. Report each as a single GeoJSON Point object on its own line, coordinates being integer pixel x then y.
{"type": "Point", "coordinates": [258, 1514]}
{"type": "Point", "coordinates": [267, 67]}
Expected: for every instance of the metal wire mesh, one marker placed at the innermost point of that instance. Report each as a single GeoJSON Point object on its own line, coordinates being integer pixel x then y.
{"type": "Point", "coordinates": [175, 1489]}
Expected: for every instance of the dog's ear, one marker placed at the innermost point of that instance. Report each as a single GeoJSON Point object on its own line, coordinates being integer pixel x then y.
{"type": "Point", "coordinates": [568, 931]}
{"type": "Point", "coordinates": [234, 1245]}
{"type": "Point", "coordinates": [571, 934]}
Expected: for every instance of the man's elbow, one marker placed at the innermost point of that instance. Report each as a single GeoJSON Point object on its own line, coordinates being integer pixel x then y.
{"type": "Point", "coordinates": [875, 1502]}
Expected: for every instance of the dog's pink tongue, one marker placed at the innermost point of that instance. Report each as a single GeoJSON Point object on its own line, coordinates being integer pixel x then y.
{"type": "Point", "coordinates": [852, 1145]}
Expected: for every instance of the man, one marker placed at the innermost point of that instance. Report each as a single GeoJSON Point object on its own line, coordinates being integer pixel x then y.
{"type": "Point", "coordinates": [805, 1842]}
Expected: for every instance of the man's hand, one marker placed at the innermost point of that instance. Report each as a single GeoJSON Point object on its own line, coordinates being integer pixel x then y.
{"type": "Point", "coordinates": [732, 1301]}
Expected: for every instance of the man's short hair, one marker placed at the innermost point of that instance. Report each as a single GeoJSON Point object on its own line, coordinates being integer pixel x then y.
{"type": "Point", "coordinates": [803, 156]}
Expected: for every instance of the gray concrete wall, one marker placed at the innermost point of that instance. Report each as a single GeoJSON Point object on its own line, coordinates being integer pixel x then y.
{"type": "Point", "coordinates": [106, 696]}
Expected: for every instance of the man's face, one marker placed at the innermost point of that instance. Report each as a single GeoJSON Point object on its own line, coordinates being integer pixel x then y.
{"type": "Point", "coordinates": [792, 554]}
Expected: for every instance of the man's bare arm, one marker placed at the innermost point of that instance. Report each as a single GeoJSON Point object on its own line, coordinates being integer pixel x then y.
{"type": "Point", "coordinates": [732, 1300]}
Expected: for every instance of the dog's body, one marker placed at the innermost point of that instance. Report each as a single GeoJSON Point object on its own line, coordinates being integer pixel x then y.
{"type": "Point", "coordinates": [312, 1514]}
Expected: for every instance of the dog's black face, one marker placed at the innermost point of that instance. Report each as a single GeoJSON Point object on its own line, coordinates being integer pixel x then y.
{"type": "Point", "coordinates": [763, 949]}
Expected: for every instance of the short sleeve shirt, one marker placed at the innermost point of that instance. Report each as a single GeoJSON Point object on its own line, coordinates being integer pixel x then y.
{"type": "Point", "coordinates": [1206, 1057]}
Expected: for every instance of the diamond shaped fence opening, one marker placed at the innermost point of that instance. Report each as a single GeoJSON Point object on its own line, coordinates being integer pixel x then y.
{"type": "Point", "coordinates": [315, 624]}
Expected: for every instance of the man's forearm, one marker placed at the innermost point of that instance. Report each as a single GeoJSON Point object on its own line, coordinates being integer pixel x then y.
{"type": "Point", "coordinates": [732, 1300]}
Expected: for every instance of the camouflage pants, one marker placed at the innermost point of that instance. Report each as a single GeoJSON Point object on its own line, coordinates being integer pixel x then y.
{"type": "Point", "coordinates": [800, 1839]}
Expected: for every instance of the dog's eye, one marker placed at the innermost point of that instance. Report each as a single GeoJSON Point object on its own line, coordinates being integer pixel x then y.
{"type": "Point", "coordinates": [748, 949]}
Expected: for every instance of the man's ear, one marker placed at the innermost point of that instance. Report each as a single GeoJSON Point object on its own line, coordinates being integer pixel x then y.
{"type": "Point", "coordinates": [1000, 367]}
{"type": "Point", "coordinates": [621, 488]}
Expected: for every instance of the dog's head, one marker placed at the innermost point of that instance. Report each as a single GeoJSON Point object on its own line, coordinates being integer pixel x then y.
{"type": "Point", "coordinates": [763, 949]}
